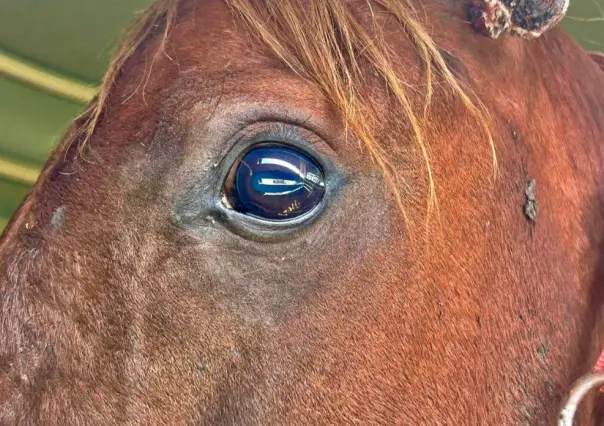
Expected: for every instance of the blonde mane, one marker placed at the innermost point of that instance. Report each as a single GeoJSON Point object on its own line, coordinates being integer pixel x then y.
{"type": "Point", "coordinates": [330, 55]}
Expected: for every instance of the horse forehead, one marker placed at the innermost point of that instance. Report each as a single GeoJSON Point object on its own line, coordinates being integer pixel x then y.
{"type": "Point", "coordinates": [216, 49]}
{"type": "Point", "coordinates": [209, 37]}
{"type": "Point", "coordinates": [212, 36]}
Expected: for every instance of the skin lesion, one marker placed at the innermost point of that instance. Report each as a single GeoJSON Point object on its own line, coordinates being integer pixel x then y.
{"type": "Point", "coordinates": [524, 18]}
{"type": "Point", "coordinates": [58, 218]}
{"type": "Point", "coordinates": [530, 207]}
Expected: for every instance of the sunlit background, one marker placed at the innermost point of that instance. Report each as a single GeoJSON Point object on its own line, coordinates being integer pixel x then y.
{"type": "Point", "coordinates": [61, 49]}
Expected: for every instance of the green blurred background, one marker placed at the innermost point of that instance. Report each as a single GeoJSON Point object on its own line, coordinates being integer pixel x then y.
{"type": "Point", "coordinates": [68, 42]}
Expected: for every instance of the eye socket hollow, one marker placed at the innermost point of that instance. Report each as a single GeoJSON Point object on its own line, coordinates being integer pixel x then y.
{"type": "Point", "coordinates": [274, 182]}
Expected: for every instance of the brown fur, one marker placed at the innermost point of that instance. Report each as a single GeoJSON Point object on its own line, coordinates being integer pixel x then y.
{"type": "Point", "coordinates": [118, 310]}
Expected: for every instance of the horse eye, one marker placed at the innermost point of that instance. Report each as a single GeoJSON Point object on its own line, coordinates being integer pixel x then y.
{"type": "Point", "coordinates": [274, 182]}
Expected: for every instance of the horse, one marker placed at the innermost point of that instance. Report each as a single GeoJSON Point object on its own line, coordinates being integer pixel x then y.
{"type": "Point", "coordinates": [313, 212]}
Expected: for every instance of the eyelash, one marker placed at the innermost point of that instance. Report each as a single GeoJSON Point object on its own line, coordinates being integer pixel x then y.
{"type": "Point", "coordinates": [279, 132]}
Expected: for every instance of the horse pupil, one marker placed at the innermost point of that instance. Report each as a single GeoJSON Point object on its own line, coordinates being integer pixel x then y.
{"type": "Point", "coordinates": [275, 182]}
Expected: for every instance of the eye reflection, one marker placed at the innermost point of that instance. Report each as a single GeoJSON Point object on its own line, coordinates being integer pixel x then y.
{"type": "Point", "coordinates": [275, 182]}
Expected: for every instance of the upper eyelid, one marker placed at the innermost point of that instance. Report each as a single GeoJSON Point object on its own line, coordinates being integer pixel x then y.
{"type": "Point", "coordinates": [242, 116]}
{"type": "Point", "coordinates": [280, 131]}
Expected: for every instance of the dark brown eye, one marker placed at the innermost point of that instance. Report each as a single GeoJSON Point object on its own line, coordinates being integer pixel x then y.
{"type": "Point", "coordinates": [274, 182]}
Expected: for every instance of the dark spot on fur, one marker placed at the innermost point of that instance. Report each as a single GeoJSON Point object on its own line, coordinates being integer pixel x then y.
{"type": "Point", "coordinates": [542, 350]}
{"type": "Point", "coordinates": [479, 321]}
{"type": "Point", "coordinates": [551, 387]}
{"type": "Point", "coordinates": [530, 208]}
{"type": "Point", "coordinates": [528, 414]}
{"type": "Point", "coordinates": [454, 63]}
{"type": "Point", "coordinates": [202, 365]}
{"type": "Point", "coordinates": [146, 194]}
{"type": "Point", "coordinates": [441, 311]}
{"type": "Point", "coordinates": [536, 15]}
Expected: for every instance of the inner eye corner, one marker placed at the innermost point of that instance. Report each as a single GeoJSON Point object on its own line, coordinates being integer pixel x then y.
{"type": "Point", "coordinates": [274, 181]}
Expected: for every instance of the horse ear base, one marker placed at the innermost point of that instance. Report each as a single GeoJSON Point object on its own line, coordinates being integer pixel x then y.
{"type": "Point", "coordinates": [598, 57]}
